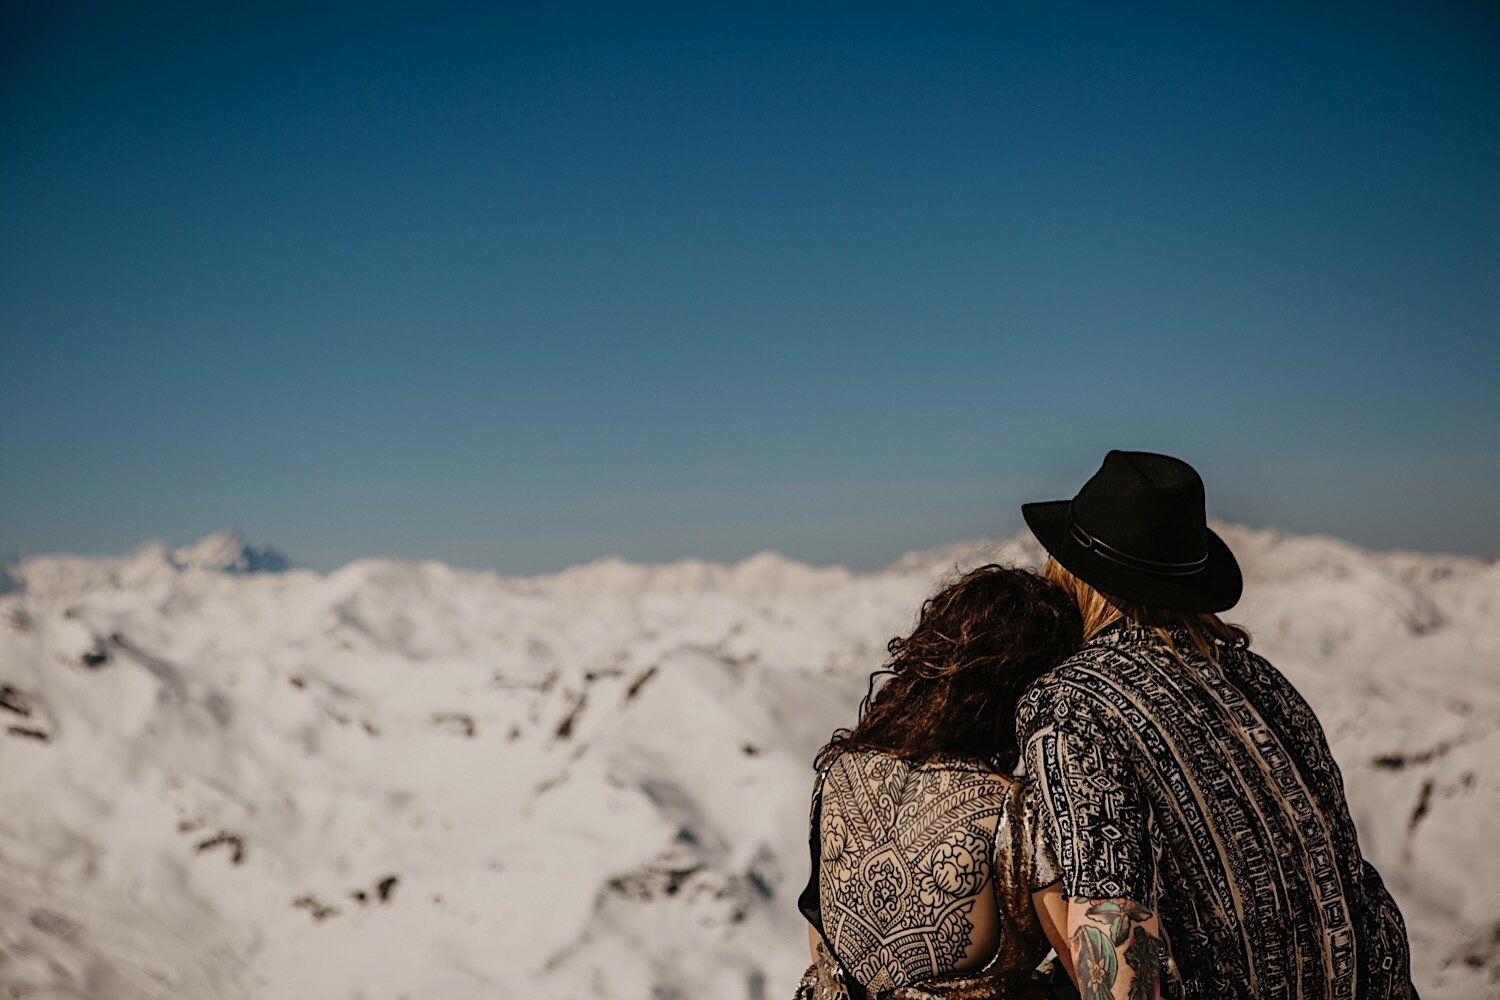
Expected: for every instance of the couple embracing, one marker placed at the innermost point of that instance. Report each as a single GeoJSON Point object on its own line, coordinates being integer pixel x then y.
{"type": "Point", "coordinates": [1179, 828]}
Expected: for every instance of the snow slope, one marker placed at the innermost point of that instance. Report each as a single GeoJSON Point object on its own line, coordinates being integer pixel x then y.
{"type": "Point", "coordinates": [222, 775]}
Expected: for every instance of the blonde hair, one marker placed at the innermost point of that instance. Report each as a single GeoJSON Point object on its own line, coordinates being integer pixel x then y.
{"type": "Point", "coordinates": [1207, 630]}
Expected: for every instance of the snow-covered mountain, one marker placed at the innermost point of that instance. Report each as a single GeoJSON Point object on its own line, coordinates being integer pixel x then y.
{"type": "Point", "coordinates": [222, 775]}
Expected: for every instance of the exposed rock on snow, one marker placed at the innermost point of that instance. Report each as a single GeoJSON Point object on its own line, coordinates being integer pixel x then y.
{"type": "Point", "coordinates": [221, 552]}
{"type": "Point", "coordinates": [228, 552]}
{"type": "Point", "coordinates": [222, 775]}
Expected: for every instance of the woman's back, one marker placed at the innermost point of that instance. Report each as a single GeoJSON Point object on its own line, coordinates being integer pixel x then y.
{"type": "Point", "coordinates": [924, 856]}
{"type": "Point", "coordinates": [925, 872]}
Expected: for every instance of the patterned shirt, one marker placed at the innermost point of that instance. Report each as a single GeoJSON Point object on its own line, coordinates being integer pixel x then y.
{"type": "Point", "coordinates": [1208, 793]}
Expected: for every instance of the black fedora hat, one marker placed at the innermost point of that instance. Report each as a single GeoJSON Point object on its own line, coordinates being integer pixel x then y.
{"type": "Point", "coordinates": [1138, 530]}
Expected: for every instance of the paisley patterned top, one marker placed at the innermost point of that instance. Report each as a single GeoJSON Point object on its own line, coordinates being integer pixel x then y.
{"type": "Point", "coordinates": [1209, 794]}
{"type": "Point", "coordinates": [922, 880]}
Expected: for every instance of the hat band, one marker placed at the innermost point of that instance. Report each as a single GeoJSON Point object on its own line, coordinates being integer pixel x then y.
{"type": "Point", "coordinates": [1114, 555]}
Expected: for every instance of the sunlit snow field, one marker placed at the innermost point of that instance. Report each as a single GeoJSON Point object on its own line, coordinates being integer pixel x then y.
{"type": "Point", "coordinates": [223, 777]}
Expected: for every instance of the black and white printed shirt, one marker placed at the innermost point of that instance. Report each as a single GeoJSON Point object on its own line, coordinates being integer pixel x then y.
{"type": "Point", "coordinates": [1208, 793]}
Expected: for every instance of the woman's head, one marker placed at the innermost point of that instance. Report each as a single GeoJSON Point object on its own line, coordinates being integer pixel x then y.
{"type": "Point", "coordinates": [1099, 611]}
{"type": "Point", "coordinates": [955, 679]}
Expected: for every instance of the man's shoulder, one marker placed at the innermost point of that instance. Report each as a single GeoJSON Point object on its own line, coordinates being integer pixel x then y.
{"type": "Point", "coordinates": [1078, 673]}
{"type": "Point", "coordinates": [1064, 690]}
{"type": "Point", "coordinates": [1263, 668]}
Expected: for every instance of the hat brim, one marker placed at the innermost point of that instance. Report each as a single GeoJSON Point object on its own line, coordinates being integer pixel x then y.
{"type": "Point", "coordinates": [1215, 587]}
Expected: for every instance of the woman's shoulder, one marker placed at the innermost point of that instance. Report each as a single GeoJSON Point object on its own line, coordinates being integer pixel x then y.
{"type": "Point", "coordinates": [867, 757]}
{"type": "Point", "coordinates": [857, 773]}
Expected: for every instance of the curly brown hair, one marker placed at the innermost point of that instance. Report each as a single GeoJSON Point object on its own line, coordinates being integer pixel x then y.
{"type": "Point", "coordinates": [955, 680]}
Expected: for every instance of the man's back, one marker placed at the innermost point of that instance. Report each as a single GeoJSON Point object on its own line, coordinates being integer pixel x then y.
{"type": "Point", "coordinates": [1208, 794]}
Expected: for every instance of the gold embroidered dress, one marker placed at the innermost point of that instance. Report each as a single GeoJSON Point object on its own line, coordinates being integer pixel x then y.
{"type": "Point", "coordinates": [907, 860]}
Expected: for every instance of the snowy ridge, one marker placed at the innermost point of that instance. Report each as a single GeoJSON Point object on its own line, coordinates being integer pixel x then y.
{"type": "Point", "coordinates": [763, 574]}
{"type": "Point", "coordinates": [222, 775]}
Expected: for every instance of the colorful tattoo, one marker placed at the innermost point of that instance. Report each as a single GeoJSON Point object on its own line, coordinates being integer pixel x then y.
{"type": "Point", "coordinates": [1096, 949]}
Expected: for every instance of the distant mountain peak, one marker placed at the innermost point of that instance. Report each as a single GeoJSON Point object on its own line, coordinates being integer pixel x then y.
{"type": "Point", "coordinates": [227, 551]}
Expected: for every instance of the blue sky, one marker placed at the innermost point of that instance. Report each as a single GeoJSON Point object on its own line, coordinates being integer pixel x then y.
{"type": "Point", "coordinates": [521, 286]}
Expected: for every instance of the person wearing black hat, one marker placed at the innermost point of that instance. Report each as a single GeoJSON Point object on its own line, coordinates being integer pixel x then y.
{"type": "Point", "coordinates": [1185, 787]}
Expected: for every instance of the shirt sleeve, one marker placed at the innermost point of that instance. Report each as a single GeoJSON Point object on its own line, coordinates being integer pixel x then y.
{"type": "Point", "coordinates": [1091, 810]}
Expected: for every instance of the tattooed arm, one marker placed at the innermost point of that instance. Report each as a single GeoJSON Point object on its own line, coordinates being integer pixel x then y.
{"type": "Point", "coordinates": [1094, 823]}
{"type": "Point", "coordinates": [1115, 946]}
